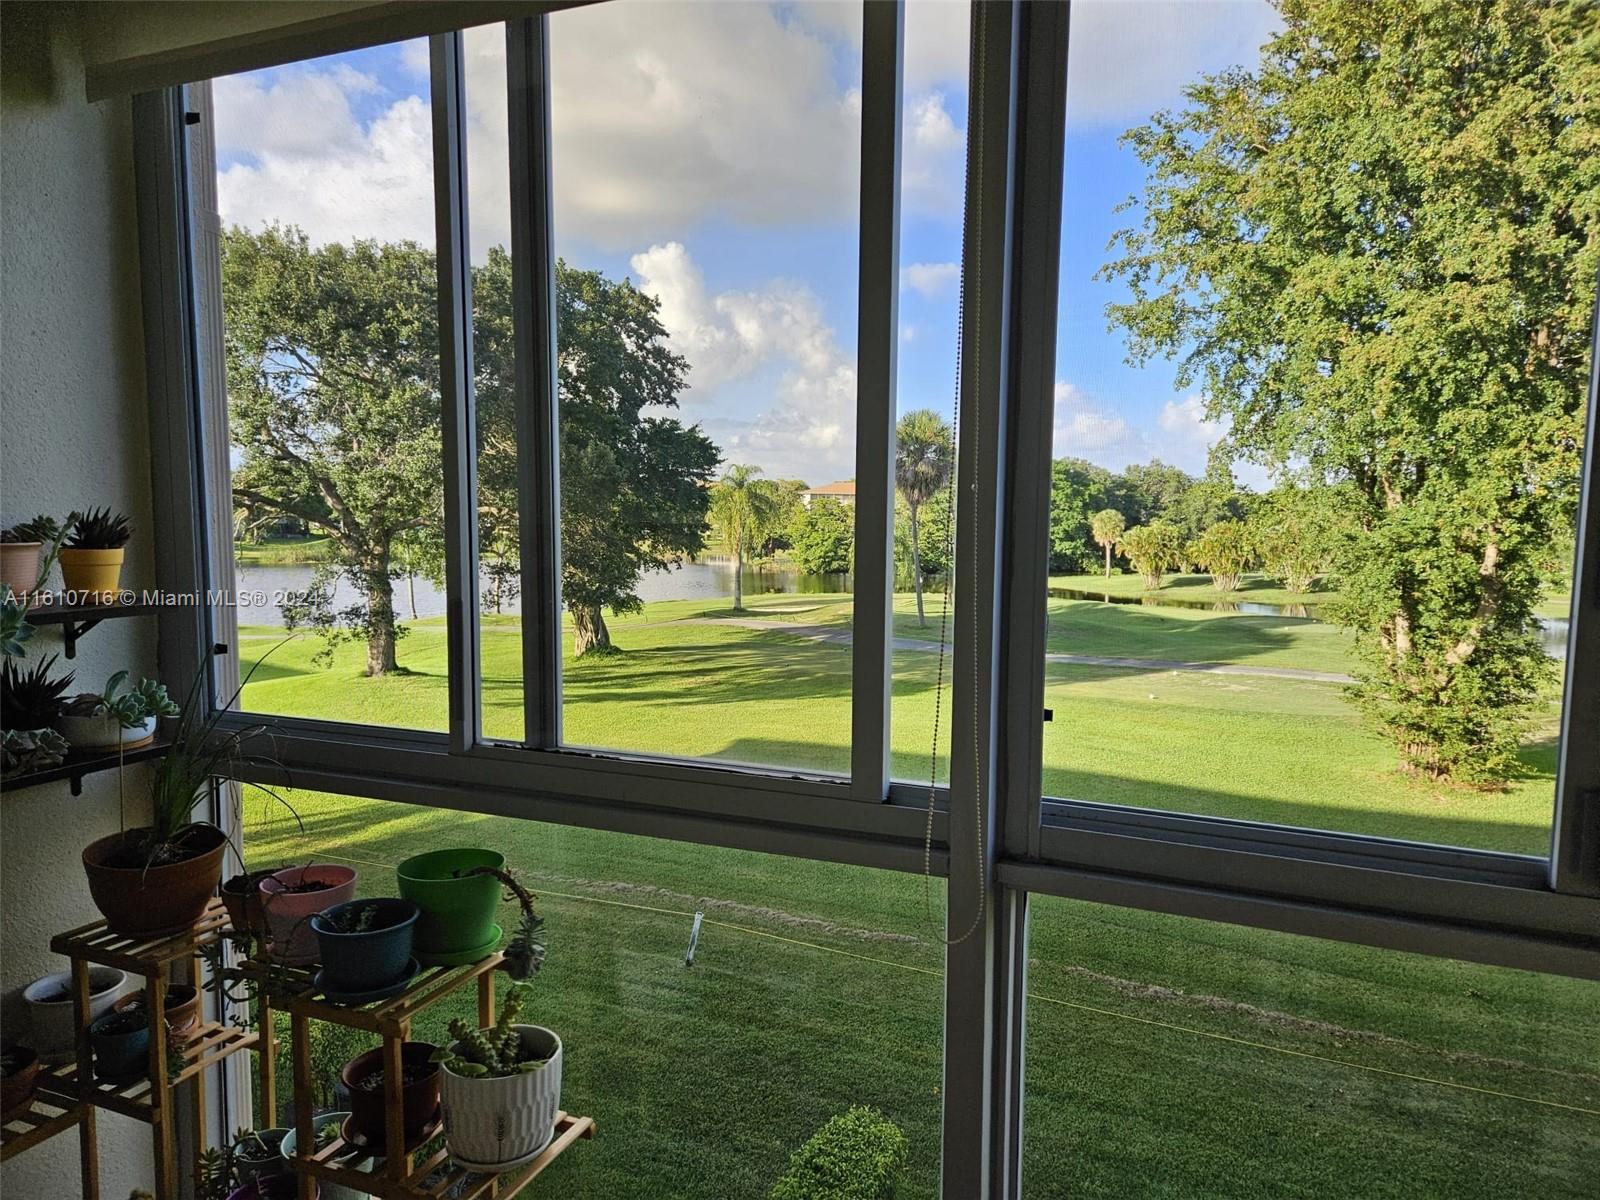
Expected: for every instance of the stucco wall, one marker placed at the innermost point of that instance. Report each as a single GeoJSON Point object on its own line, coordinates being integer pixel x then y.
{"type": "Point", "coordinates": [73, 433]}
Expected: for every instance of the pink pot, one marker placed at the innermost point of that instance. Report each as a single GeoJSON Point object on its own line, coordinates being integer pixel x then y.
{"type": "Point", "coordinates": [290, 938]}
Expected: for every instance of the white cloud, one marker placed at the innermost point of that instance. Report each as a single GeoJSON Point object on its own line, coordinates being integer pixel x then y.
{"type": "Point", "coordinates": [931, 279]}
{"type": "Point", "coordinates": [807, 427]}
{"type": "Point", "coordinates": [1186, 434]}
{"type": "Point", "coordinates": [1128, 58]}
{"type": "Point", "coordinates": [1084, 430]}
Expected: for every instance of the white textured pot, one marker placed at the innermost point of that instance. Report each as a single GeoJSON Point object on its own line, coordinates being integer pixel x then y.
{"type": "Point", "coordinates": [103, 733]}
{"type": "Point", "coordinates": [495, 1124]}
{"type": "Point", "coordinates": [51, 1020]}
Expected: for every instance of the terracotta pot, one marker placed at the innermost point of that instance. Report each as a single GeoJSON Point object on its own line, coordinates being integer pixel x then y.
{"type": "Point", "coordinates": [17, 1087]}
{"type": "Point", "coordinates": [241, 896]}
{"type": "Point", "coordinates": [93, 574]}
{"type": "Point", "coordinates": [419, 1099]}
{"type": "Point", "coordinates": [19, 566]}
{"type": "Point", "coordinates": [289, 936]}
{"type": "Point", "coordinates": [149, 902]}
{"type": "Point", "coordinates": [183, 1011]}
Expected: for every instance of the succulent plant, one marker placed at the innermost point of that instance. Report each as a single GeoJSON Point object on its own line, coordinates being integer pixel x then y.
{"type": "Point", "coordinates": [147, 698]}
{"type": "Point", "coordinates": [31, 699]}
{"type": "Point", "coordinates": [99, 529]}
{"type": "Point", "coordinates": [40, 529]}
{"type": "Point", "coordinates": [31, 750]}
{"type": "Point", "coordinates": [496, 1051]}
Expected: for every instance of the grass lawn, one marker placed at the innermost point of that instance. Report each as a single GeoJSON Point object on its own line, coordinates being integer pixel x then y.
{"type": "Point", "coordinates": [819, 985]}
{"type": "Point", "coordinates": [1261, 589]}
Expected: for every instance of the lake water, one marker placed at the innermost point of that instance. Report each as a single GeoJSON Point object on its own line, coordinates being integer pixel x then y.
{"type": "Point", "coordinates": [261, 588]}
{"type": "Point", "coordinates": [712, 579]}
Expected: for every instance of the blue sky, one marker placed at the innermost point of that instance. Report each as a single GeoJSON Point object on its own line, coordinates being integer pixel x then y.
{"type": "Point", "coordinates": [710, 152]}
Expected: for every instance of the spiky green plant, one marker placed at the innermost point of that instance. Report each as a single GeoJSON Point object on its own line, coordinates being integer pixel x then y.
{"type": "Point", "coordinates": [31, 699]}
{"type": "Point", "coordinates": [99, 529]}
{"type": "Point", "coordinates": [493, 1052]}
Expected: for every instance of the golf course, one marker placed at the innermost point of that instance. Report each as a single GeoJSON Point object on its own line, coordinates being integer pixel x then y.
{"type": "Point", "coordinates": [1166, 1056]}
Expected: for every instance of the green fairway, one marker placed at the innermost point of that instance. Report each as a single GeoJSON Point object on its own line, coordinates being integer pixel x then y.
{"type": "Point", "coordinates": [283, 551]}
{"type": "Point", "coordinates": [1166, 1057]}
{"type": "Point", "coordinates": [1259, 589]}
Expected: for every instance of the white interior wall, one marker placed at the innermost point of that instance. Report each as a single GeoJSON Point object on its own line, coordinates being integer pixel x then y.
{"type": "Point", "coordinates": [73, 433]}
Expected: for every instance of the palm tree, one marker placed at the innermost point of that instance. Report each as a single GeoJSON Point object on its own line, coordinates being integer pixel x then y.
{"type": "Point", "coordinates": [1107, 527]}
{"type": "Point", "coordinates": [924, 457]}
{"type": "Point", "coordinates": [743, 511]}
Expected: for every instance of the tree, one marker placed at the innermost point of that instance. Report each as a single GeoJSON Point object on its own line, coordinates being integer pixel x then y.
{"type": "Point", "coordinates": [744, 510]}
{"type": "Point", "coordinates": [1223, 552]}
{"type": "Point", "coordinates": [1153, 550]}
{"type": "Point", "coordinates": [1077, 488]}
{"type": "Point", "coordinates": [822, 537]}
{"type": "Point", "coordinates": [633, 481]}
{"type": "Point", "coordinates": [1108, 526]}
{"type": "Point", "coordinates": [1153, 491]}
{"type": "Point", "coordinates": [924, 457]}
{"type": "Point", "coordinates": [935, 543]}
{"type": "Point", "coordinates": [1376, 254]}
{"type": "Point", "coordinates": [1296, 531]}
{"type": "Point", "coordinates": [333, 406]}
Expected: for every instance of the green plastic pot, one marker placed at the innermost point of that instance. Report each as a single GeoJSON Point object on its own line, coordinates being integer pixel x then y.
{"type": "Point", "coordinates": [457, 911]}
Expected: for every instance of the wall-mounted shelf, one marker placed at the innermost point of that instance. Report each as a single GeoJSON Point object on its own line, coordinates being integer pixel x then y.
{"type": "Point", "coordinates": [77, 619]}
{"type": "Point", "coordinates": [77, 766]}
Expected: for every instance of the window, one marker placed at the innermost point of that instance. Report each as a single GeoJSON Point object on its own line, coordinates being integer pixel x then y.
{"type": "Point", "coordinates": [1169, 1056]}
{"type": "Point", "coordinates": [1290, 583]}
{"type": "Point", "coordinates": [329, 314]}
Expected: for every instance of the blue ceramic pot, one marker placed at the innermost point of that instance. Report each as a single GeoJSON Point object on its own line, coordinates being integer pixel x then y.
{"type": "Point", "coordinates": [371, 958]}
{"type": "Point", "coordinates": [120, 1052]}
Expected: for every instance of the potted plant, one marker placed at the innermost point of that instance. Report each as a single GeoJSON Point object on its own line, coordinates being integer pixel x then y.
{"type": "Point", "coordinates": [257, 1152]}
{"type": "Point", "coordinates": [121, 1041]}
{"type": "Point", "coordinates": [30, 700]}
{"type": "Point", "coordinates": [182, 1007]}
{"type": "Point", "coordinates": [365, 945]}
{"type": "Point", "coordinates": [157, 879]}
{"type": "Point", "coordinates": [364, 1079]}
{"type": "Point", "coordinates": [291, 897]}
{"type": "Point", "coordinates": [23, 750]}
{"type": "Point", "coordinates": [19, 1070]}
{"type": "Point", "coordinates": [109, 720]}
{"type": "Point", "coordinates": [50, 1009]}
{"type": "Point", "coordinates": [91, 561]}
{"type": "Point", "coordinates": [458, 899]}
{"type": "Point", "coordinates": [501, 1089]}
{"type": "Point", "coordinates": [283, 1186]}
{"type": "Point", "coordinates": [327, 1129]}
{"type": "Point", "coordinates": [27, 552]}
{"type": "Point", "coordinates": [241, 896]}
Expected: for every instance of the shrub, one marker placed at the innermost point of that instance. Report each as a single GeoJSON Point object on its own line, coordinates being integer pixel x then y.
{"type": "Point", "coordinates": [858, 1155]}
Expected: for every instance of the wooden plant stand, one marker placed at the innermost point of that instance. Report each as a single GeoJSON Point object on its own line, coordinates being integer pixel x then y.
{"type": "Point", "coordinates": [397, 1174]}
{"type": "Point", "coordinates": [148, 1098]}
{"type": "Point", "coordinates": [48, 1112]}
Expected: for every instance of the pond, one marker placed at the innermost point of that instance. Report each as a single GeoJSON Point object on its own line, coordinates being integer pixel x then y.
{"type": "Point", "coordinates": [707, 579]}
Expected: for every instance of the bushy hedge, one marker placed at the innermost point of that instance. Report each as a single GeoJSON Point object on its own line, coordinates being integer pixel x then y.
{"type": "Point", "coordinates": [858, 1155]}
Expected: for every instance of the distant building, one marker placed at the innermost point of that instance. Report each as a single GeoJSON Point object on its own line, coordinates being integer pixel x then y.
{"type": "Point", "coordinates": [843, 490]}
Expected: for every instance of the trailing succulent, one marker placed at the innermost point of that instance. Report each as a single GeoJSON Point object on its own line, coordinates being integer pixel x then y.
{"type": "Point", "coordinates": [99, 529]}
{"type": "Point", "coordinates": [524, 953]}
{"type": "Point", "coordinates": [493, 1052]}
{"type": "Point", "coordinates": [147, 698]}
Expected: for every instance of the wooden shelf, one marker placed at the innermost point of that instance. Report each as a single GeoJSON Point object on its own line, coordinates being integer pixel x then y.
{"type": "Point", "coordinates": [48, 1112]}
{"type": "Point", "coordinates": [293, 990]}
{"type": "Point", "coordinates": [434, 1176]}
{"type": "Point", "coordinates": [77, 619]}
{"type": "Point", "coordinates": [135, 1097]}
{"type": "Point", "coordinates": [77, 766]}
{"type": "Point", "coordinates": [96, 943]}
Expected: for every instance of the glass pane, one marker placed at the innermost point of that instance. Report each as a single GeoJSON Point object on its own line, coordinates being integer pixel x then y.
{"type": "Point", "coordinates": [1174, 1057]}
{"type": "Point", "coordinates": [324, 184]}
{"type": "Point", "coordinates": [932, 184]}
{"type": "Point", "coordinates": [1313, 501]}
{"type": "Point", "coordinates": [494, 382]}
{"type": "Point", "coordinates": [706, 216]}
{"type": "Point", "coordinates": [814, 988]}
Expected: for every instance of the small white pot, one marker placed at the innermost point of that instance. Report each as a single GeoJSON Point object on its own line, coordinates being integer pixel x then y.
{"type": "Point", "coordinates": [104, 732]}
{"type": "Point", "coordinates": [51, 1020]}
{"type": "Point", "coordinates": [495, 1125]}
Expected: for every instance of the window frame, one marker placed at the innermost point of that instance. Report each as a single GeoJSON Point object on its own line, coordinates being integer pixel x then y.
{"type": "Point", "coordinates": [1534, 912]}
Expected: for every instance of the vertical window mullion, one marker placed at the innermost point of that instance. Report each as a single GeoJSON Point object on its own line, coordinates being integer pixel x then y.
{"type": "Point", "coordinates": [455, 388]}
{"type": "Point", "coordinates": [877, 339]}
{"type": "Point", "coordinates": [533, 309]}
{"type": "Point", "coordinates": [1575, 844]}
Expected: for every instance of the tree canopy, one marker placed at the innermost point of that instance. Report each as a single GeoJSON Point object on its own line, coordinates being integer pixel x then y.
{"type": "Point", "coordinates": [924, 460]}
{"type": "Point", "coordinates": [744, 511]}
{"type": "Point", "coordinates": [1375, 253]}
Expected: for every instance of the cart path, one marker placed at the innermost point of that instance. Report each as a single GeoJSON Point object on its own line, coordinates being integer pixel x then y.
{"type": "Point", "coordinates": [842, 637]}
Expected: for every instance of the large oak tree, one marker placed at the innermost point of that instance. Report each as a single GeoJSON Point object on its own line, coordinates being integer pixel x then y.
{"type": "Point", "coordinates": [1376, 253]}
